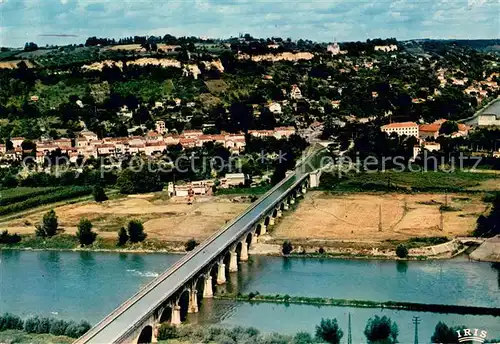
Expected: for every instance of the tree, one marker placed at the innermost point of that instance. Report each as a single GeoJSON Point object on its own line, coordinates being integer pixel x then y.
{"type": "Point", "coordinates": [142, 181]}
{"type": "Point", "coordinates": [122, 236]}
{"type": "Point", "coordinates": [401, 251]}
{"type": "Point", "coordinates": [48, 226]}
{"type": "Point", "coordinates": [190, 245]}
{"type": "Point", "coordinates": [30, 46]}
{"type": "Point", "coordinates": [84, 232]}
{"type": "Point", "coordinates": [279, 174]}
{"type": "Point", "coordinates": [286, 248]}
{"type": "Point", "coordinates": [448, 128]}
{"type": "Point", "coordinates": [328, 330]}
{"type": "Point", "coordinates": [444, 334]}
{"type": "Point", "coordinates": [136, 231]}
{"type": "Point", "coordinates": [99, 194]}
{"type": "Point", "coordinates": [381, 330]}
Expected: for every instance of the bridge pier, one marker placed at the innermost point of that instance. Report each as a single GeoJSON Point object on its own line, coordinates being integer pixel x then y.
{"type": "Point", "coordinates": [193, 301]}
{"type": "Point", "coordinates": [221, 273]}
{"type": "Point", "coordinates": [263, 228]}
{"type": "Point", "coordinates": [233, 261]}
{"type": "Point", "coordinates": [244, 251]}
{"type": "Point", "coordinates": [176, 315]}
{"type": "Point", "coordinates": [292, 200]}
{"type": "Point", "coordinates": [207, 289]}
{"type": "Point", "coordinates": [285, 206]}
{"type": "Point", "coordinates": [279, 213]}
{"type": "Point", "coordinates": [253, 239]}
{"type": "Point", "coordinates": [271, 220]}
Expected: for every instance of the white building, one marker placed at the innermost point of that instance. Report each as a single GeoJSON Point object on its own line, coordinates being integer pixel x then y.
{"type": "Point", "coordinates": [295, 93]}
{"type": "Point", "coordinates": [275, 108]}
{"type": "Point", "coordinates": [401, 128]}
{"type": "Point", "coordinates": [160, 127]}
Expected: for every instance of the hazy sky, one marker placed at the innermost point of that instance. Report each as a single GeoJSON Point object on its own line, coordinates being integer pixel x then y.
{"type": "Point", "coordinates": [36, 20]}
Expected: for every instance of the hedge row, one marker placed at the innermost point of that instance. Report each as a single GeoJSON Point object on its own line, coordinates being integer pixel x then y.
{"type": "Point", "coordinates": [44, 325]}
{"type": "Point", "coordinates": [54, 196]}
{"type": "Point", "coordinates": [7, 200]}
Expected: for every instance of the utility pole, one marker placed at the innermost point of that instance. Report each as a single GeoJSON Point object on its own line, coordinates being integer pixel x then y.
{"type": "Point", "coordinates": [416, 321]}
{"type": "Point", "coordinates": [349, 334]}
{"type": "Point", "coordinates": [380, 218]}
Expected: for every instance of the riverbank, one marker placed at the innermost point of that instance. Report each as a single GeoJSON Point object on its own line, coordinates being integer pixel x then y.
{"type": "Point", "coordinates": [409, 306]}
{"type": "Point", "coordinates": [343, 250]}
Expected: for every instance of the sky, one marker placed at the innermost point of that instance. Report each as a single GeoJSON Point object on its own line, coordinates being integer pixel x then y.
{"type": "Point", "coordinates": [43, 21]}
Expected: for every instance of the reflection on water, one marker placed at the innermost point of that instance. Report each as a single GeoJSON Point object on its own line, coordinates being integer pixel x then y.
{"type": "Point", "coordinates": [88, 285]}
{"type": "Point", "coordinates": [269, 317]}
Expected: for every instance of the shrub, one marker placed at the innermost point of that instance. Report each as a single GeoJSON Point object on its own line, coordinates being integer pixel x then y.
{"type": "Point", "coordinates": [303, 338]}
{"type": "Point", "coordinates": [99, 194]}
{"type": "Point", "coordinates": [381, 330]}
{"type": "Point", "coordinates": [136, 231]}
{"type": "Point", "coordinates": [58, 327]}
{"type": "Point", "coordinates": [287, 248]}
{"type": "Point", "coordinates": [31, 324]}
{"type": "Point", "coordinates": [7, 238]}
{"type": "Point", "coordinates": [48, 226]}
{"type": "Point", "coordinates": [10, 321]}
{"type": "Point", "coordinates": [167, 331]}
{"type": "Point", "coordinates": [84, 233]}
{"type": "Point", "coordinates": [328, 330]}
{"type": "Point", "coordinates": [321, 250]}
{"type": "Point", "coordinates": [43, 326]}
{"type": "Point", "coordinates": [122, 237]}
{"type": "Point", "coordinates": [190, 245]}
{"type": "Point", "coordinates": [402, 251]}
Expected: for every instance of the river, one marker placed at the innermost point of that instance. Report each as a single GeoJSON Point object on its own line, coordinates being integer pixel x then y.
{"type": "Point", "coordinates": [85, 285]}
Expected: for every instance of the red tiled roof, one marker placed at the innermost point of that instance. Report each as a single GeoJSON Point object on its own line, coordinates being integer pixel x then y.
{"type": "Point", "coordinates": [400, 125]}
{"type": "Point", "coordinates": [430, 128]}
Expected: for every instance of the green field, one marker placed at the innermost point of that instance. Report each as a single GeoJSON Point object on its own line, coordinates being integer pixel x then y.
{"type": "Point", "coordinates": [409, 181]}
{"type": "Point", "coordinates": [19, 199]}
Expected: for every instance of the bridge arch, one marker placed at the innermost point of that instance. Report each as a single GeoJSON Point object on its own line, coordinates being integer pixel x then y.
{"type": "Point", "coordinates": [166, 314]}
{"type": "Point", "coordinates": [146, 335]}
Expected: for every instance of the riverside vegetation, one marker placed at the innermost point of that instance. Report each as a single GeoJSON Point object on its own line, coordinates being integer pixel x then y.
{"type": "Point", "coordinates": [287, 299]}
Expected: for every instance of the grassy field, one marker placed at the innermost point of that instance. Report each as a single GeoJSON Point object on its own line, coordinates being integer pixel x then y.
{"type": "Point", "coordinates": [425, 181]}
{"type": "Point", "coordinates": [18, 336]}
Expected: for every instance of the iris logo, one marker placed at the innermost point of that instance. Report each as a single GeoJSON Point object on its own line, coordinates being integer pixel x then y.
{"type": "Point", "coordinates": [471, 335]}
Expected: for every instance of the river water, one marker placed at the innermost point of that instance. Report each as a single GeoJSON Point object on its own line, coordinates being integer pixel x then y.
{"type": "Point", "coordinates": [84, 285]}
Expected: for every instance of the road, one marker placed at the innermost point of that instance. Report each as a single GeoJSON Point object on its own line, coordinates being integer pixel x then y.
{"type": "Point", "coordinates": [139, 306]}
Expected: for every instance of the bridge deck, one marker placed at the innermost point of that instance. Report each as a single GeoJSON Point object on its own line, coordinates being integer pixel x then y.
{"type": "Point", "coordinates": [117, 324]}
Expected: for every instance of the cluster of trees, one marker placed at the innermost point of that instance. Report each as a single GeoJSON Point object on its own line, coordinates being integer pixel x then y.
{"type": "Point", "coordinates": [7, 238]}
{"type": "Point", "coordinates": [40, 325]}
{"type": "Point", "coordinates": [489, 225]}
{"type": "Point", "coordinates": [134, 233]}
{"type": "Point", "coordinates": [378, 330]}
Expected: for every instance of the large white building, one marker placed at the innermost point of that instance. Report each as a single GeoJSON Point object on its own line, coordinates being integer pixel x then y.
{"type": "Point", "coordinates": [401, 128]}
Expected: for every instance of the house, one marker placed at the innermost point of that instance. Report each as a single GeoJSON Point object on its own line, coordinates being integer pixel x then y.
{"type": "Point", "coordinates": [402, 128]}
{"type": "Point", "coordinates": [233, 179]}
{"type": "Point", "coordinates": [17, 141]}
{"type": "Point", "coordinates": [336, 104]}
{"type": "Point", "coordinates": [3, 149]}
{"type": "Point", "coordinates": [386, 48]}
{"type": "Point", "coordinates": [154, 148]}
{"type": "Point", "coordinates": [284, 131]}
{"type": "Point", "coordinates": [295, 93]}
{"type": "Point", "coordinates": [160, 127]}
{"type": "Point", "coordinates": [430, 146]}
{"type": "Point", "coordinates": [153, 136]}
{"type": "Point", "coordinates": [426, 131]}
{"type": "Point", "coordinates": [333, 49]}
{"type": "Point", "coordinates": [275, 108]}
